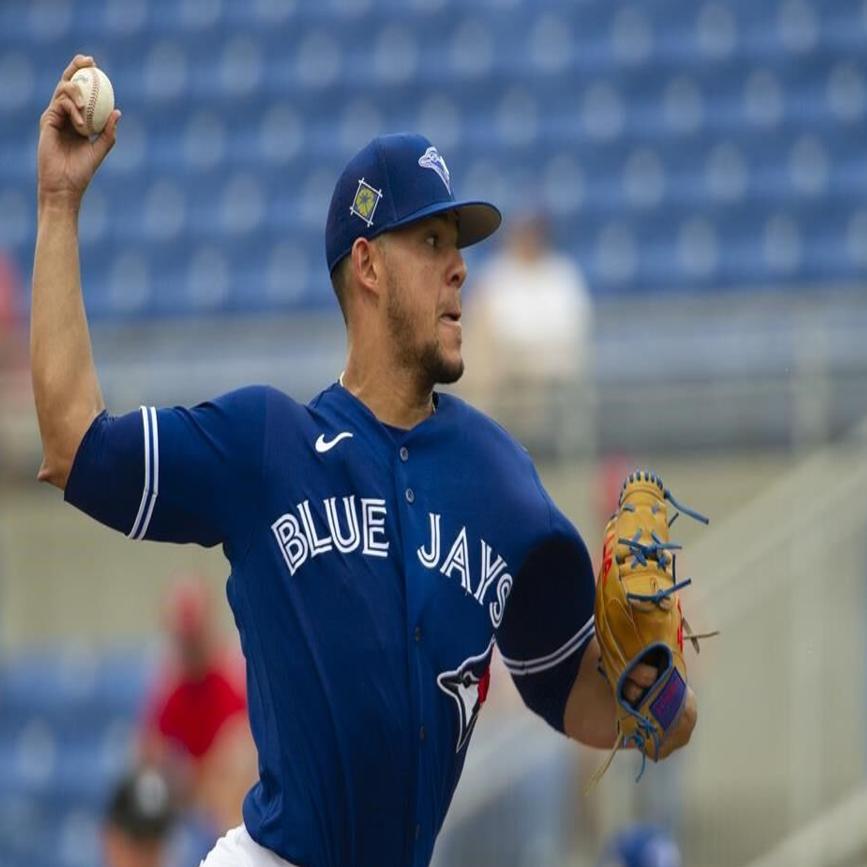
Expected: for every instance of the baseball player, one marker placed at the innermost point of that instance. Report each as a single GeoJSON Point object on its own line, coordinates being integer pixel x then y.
{"type": "Point", "coordinates": [381, 538]}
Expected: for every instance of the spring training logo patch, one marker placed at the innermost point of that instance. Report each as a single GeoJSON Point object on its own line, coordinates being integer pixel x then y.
{"type": "Point", "coordinates": [365, 202]}
{"type": "Point", "coordinates": [431, 159]}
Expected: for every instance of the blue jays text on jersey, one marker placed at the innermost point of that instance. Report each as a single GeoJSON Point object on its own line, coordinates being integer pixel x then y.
{"type": "Point", "coordinates": [372, 571]}
{"type": "Point", "coordinates": [300, 539]}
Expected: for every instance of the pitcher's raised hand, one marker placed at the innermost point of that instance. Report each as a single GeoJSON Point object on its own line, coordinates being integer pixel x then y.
{"type": "Point", "coordinates": [66, 159]}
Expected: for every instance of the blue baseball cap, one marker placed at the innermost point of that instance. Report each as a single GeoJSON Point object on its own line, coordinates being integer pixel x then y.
{"type": "Point", "coordinates": [393, 181]}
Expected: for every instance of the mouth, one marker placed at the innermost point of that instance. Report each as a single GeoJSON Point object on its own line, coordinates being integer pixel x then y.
{"type": "Point", "coordinates": [451, 317]}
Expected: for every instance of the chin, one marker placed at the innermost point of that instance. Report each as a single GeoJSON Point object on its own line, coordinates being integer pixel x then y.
{"type": "Point", "coordinates": [442, 368]}
{"type": "Point", "coordinates": [450, 370]}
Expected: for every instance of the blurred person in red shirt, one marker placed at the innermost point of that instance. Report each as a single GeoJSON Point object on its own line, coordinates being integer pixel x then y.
{"type": "Point", "coordinates": [195, 725]}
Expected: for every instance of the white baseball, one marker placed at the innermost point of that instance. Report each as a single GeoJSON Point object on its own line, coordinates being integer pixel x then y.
{"type": "Point", "coordinates": [98, 97]}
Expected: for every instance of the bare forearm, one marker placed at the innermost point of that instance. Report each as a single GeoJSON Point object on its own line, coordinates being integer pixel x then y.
{"type": "Point", "coordinates": [65, 384]}
{"type": "Point", "coordinates": [590, 714]}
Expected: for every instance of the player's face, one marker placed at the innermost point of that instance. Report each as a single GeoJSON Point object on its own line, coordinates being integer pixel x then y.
{"type": "Point", "coordinates": [425, 274]}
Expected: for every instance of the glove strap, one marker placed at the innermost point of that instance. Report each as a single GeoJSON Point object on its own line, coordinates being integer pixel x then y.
{"type": "Point", "coordinates": [696, 516]}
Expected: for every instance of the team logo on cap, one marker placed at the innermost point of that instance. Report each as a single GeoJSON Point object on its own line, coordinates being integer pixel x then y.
{"type": "Point", "coordinates": [431, 159]}
{"type": "Point", "coordinates": [365, 202]}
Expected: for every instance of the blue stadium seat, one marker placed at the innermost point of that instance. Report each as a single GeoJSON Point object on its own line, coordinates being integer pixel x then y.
{"type": "Point", "coordinates": [66, 735]}
{"type": "Point", "coordinates": [727, 120]}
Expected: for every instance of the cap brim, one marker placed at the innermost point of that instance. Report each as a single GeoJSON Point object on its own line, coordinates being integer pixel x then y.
{"type": "Point", "coordinates": [476, 220]}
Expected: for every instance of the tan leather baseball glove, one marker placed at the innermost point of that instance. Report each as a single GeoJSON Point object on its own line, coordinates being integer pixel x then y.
{"type": "Point", "coordinates": [639, 617]}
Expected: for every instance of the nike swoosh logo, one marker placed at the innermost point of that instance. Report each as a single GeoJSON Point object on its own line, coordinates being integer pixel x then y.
{"type": "Point", "coordinates": [323, 445]}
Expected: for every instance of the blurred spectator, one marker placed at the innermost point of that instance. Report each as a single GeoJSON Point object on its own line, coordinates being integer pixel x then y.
{"type": "Point", "coordinates": [14, 381]}
{"type": "Point", "coordinates": [641, 846]}
{"type": "Point", "coordinates": [10, 307]}
{"type": "Point", "coordinates": [12, 350]}
{"type": "Point", "coordinates": [196, 723]}
{"type": "Point", "coordinates": [610, 474]}
{"type": "Point", "coordinates": [139, 818]}
{"type": "Point", "coordinates": [16, 396]}
{"type": "Point", "coordinates": [528, 347]}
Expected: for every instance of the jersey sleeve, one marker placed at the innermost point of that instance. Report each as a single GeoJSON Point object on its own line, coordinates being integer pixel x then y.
{"type": "Point", "coordinates": [174, 474]}
{"type": "Point", "coordinates": [548, 619]}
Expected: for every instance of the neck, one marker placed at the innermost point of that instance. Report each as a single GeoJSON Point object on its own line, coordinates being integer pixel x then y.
{"type": "Point", "coordinates": [393, 394]}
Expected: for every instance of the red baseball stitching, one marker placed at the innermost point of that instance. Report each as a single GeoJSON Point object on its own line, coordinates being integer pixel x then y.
{"type": "Point", "coordinates": [91, 105]}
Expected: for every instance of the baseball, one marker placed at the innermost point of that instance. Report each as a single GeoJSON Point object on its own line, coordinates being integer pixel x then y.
{"type": "Point", "coordinates": [98, 98]}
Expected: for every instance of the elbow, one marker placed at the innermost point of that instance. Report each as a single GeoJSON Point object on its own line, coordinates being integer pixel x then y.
{"type": "Point", "coordinates": [54, 470]}
{"type": "Point", "coordinates": [60, 443]}
{"type": "Point", "coordinates": [58, 455]}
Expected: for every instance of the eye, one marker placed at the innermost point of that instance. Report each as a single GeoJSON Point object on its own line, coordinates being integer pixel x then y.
{"type": "Point", "coordinates": [432, 239]}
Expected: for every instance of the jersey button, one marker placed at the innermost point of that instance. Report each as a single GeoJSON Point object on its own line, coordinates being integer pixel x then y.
{"type": "Point", "coordinates": [410, 495]}
{"type": "Point", "coordinates": [404, 453]}
{"type": "Point", "coordinates": [422, 733]}
{"type": "Point", "coordinates": [418, 633]}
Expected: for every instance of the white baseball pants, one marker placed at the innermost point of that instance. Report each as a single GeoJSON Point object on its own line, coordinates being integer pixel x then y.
{"type": "Point", "coordinates": [239, 849]}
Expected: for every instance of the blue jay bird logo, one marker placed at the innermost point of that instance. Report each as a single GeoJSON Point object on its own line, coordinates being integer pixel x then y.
{"type": "Point", "coordinates": [468, 685]}
{"type": "Point", "coordinates": [431, 159]}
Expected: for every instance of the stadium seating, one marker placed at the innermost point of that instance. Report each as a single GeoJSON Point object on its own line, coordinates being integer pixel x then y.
{"type": "Point", "coordinates": [678, 145]}
{"type": "Point", "coordinates": [66, 726]}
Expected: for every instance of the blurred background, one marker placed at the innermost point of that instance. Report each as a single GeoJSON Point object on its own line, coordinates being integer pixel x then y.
{"type": "Point", "coordinates": [681, 281]}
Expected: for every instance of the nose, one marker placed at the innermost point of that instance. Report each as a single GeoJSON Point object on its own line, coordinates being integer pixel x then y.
{"type": "Point", "coordinates": [457, 270]}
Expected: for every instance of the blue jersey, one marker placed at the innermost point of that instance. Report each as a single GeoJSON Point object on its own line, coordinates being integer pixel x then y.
{"type": "Point", "coordinates": [372, 571]}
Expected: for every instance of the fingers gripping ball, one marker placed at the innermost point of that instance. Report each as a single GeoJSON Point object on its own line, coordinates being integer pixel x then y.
{"type": "Point", "coordinates": [98, 97]}
{"type": "Point", "coordinates": [638, 616]}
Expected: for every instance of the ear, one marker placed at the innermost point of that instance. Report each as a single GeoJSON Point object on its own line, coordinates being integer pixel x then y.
{"type": "Point", "coordinates": [368, 266]}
